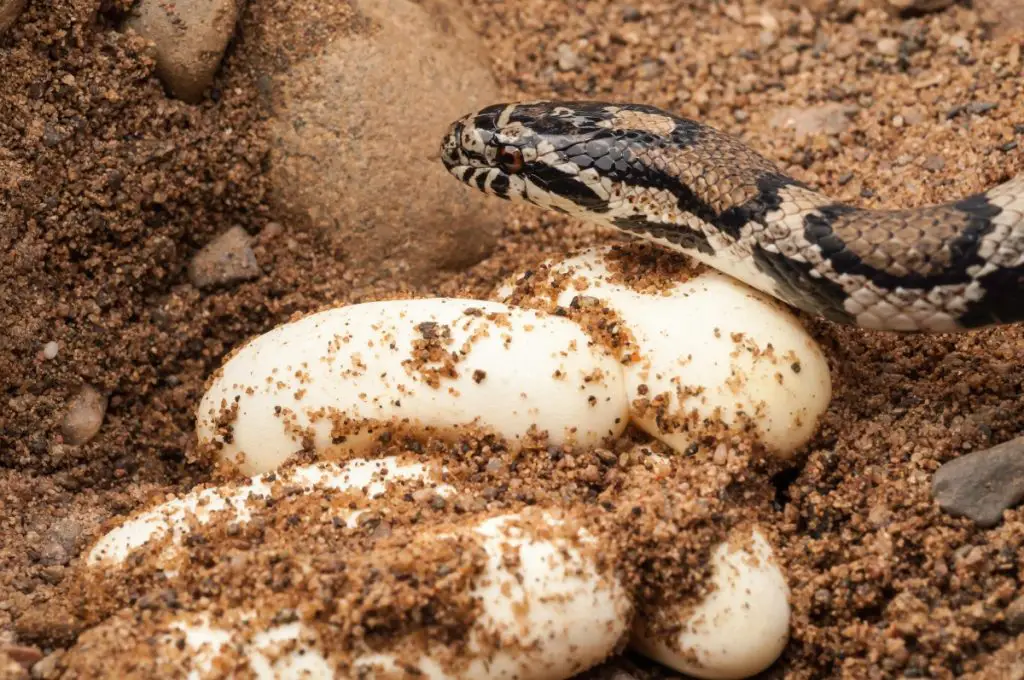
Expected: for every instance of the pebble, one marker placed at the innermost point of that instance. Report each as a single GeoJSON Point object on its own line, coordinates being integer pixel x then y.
{"type": "Point", "coordinates": [829, 119]}
{"type": "Point", "coordinates": [227, 259]}
{"type": "Point", "coordinates": [568, 60]}
{"type": "Point", "coordinates": [933, 162]}
{"type": "Point", "coordinates": [50, 350]}
{"type": "Point", "coordinates": [1014, 616]}
{"type": "Point", "coordinates": [84, 416]}
{"type": "Point", "coordinates": [981, 485]}
{"type": "Point", "coordinates": [10, 10]}
{"type": "Point", "coordinates": [789, 64]}
{"type": "Point", "coordinates": [46, 668]}
{"type": "Point", "coordinates": [190, 37]}
{"type": "Point", "coordinates": [25, 656]}
{"type": "Point", "coordinates": [979, 108]}
{"type": "Point", "coordinates": [960, 43]}
{"type": "Point", "coordinates": [648, 70]}
{"type": "Point", "coordinates": [888, 46]}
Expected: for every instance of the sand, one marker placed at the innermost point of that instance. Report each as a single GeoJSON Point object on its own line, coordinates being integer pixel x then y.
{"type": "Point", "coordinates": [108, 188]}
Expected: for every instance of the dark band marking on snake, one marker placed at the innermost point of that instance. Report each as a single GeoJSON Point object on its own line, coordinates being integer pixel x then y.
{"type": "Point", "coordinates": [693, 189]}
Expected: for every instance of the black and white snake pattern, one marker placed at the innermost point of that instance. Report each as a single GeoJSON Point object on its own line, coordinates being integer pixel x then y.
{"type": "Point", "coordinates": [692, 188]}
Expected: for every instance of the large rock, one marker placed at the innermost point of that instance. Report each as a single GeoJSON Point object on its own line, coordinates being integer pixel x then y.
{"type": "Point", "coordinates": [190, 37]}
{"type": "Point", "coordinates": [357, 131]}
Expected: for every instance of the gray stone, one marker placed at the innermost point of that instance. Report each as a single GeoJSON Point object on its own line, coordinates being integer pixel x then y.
{"type": "Point", "coordinates": [981, 485]}
{"type": "Point", "coordinates": [227, 259]}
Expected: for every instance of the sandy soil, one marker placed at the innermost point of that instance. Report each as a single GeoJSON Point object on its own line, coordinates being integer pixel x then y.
{"type": "Point", "coordinates": [107, 189]}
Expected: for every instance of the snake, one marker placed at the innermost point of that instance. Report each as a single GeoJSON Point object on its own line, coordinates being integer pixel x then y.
{"type": "Point", "coordinates": [691, 188]}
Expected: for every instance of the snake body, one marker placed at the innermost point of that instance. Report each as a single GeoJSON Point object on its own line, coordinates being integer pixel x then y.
{"type": "Point", "coordinates": [694, 189]}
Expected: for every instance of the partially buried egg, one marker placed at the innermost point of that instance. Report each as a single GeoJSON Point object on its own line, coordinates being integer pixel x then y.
{"type": "Point", "coordinates": [708, 359]}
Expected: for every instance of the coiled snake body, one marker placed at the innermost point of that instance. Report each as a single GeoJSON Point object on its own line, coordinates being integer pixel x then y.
{"type": "Point", "coordinates": [692, 188]}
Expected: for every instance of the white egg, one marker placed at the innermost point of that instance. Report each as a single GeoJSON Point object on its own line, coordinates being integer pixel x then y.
{"type": "Point", "coordinates": [717, 357]}
{"type": "Point", "coordinates": [333, 381]}
{"type": "Point", "coordinates": [740, 628]}
{"type": "Point", "coordinates": [231, 502]}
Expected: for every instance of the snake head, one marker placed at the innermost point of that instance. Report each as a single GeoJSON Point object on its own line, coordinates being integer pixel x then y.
{"type": "Point", "coordinates": [547, 153]}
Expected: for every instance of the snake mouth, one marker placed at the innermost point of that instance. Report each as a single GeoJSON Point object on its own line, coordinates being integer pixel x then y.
{"type": "Point", "coordinates": [451, 153]}
{"type": "Point", "coordinates": [464, 154]}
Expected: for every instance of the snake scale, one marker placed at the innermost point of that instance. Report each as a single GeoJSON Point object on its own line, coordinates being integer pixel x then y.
{"type": "Point", "coordinates": [691, 188]}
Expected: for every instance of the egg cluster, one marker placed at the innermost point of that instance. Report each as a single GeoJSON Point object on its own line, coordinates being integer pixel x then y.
{"type": "Point", "coordinates": [572, 352]}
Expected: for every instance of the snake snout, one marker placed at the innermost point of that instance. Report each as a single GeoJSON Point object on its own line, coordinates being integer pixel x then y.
{"type": "Point", "coordinates": [450, 150]}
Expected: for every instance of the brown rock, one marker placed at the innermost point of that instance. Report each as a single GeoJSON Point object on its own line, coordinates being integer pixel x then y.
{"type": "Point", "coordinates": [84, 416]}
{"type": "Point", "coordinates": [25, 656]}
{"type": "Point", "coordinates": [48, 667]}
{"type": "Point", "coordinates": [190, 37]}
{"type": "Point", "coordinates": [789, 64]}
{"type": "Point", "coordinates": [981, 485]}
{"type": "Point", "coordinates": [357, 143]}
{"type": "Point", "coordinates": [10, 10]}
{"type": "Point", "coordinates": [830, 119]}
{"type": "Point", "coordinates": [227, 259]}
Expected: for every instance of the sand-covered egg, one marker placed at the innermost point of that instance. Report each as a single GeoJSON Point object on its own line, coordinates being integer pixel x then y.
{"type": "Point", "coordinates": [738, 629]}
{"type": "Point", "coordinates": [549, 611]}
{"type": "Point", "coordinates": [530, 594]}
{"type": "Point", "coordinates": [711, 357]}
{"type": "Point", "coordinates": [174, 520]}
{"type": "Point", "coordinates": [335, 380]}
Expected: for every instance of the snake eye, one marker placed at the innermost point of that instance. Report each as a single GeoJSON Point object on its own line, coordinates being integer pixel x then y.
{"type": "Point", "coordinates": [510, 159]}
